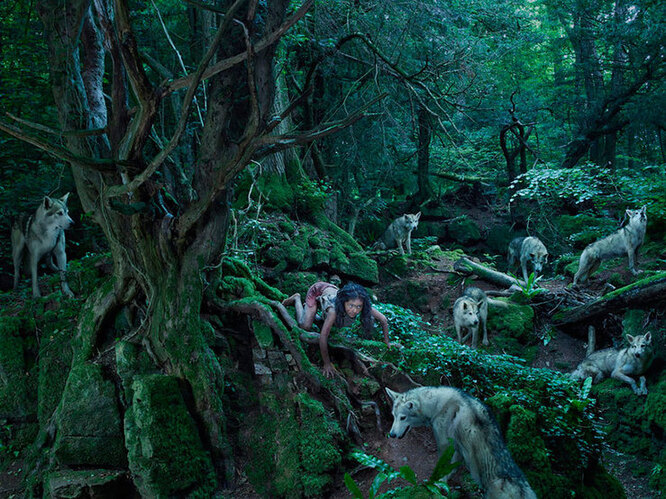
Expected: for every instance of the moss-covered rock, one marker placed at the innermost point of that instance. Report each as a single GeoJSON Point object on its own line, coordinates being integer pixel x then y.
{"type": "Point", "coordinates": [294, 445]}
{"type": "Point", "coordinates": [88, 483]}
{"type": "Point", "coordinates": [165, 452]}
{"type": "Point", "coordinates": [464, 230]}
{"type": "Point", "coordinates": [89, 430]}
{"type": "Point", "coordinates": [513, 321]}
{"type": "Point", "coordinates": [55, 355]}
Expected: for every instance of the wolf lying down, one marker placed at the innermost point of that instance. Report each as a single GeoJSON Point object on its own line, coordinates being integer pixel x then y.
{"type": "Point", "coordinates": [621, 364]}
{"type": "Point", "coordinates": [452, 413]}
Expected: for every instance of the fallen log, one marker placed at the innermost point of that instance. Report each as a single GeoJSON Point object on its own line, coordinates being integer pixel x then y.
{"type": "Point", "coordinates": [641, 294]}
{"type": "Point", "coordinates": [465, 265]}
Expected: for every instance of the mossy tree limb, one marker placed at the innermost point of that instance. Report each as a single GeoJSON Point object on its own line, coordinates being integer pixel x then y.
{"type": "Point", "coordinates": [467, 266]}
{"type": "Point", "coordinates": [645, 292]}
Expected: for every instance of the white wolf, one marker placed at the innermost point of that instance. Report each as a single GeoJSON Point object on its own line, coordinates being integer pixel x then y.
{"type": "Point", "coordinates": [42, 234]}
{"type": "Point", "coordinates": [626, 240]}
{"type": "Point", "coordinates": [470, 312]}
{"type": "Point", "coordinates": [399, 232]}
{"type": "Point", "coordinates": [619, 364]}
{"type": "Point", "coordinates": [477, 440]}
{"type": "Point", "coordinates": [528, 250]}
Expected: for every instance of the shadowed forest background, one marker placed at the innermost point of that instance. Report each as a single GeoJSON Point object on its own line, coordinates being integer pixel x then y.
{"type": "Point", "coordinates": [223, 155]}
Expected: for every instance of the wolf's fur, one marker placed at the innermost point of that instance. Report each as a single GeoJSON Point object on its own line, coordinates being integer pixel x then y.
{"type": "Point", "coordinates": [627, 240]}
{"type": "Point", "coordinates": [39, 235]}
{"type": "Point", "coordinates": [464, 318]}
{"type": "Point", "coordinates": [399, 232]}
{"type": "Point", "coordinates": [619, 364]}
{"type": "Point", "coordinates": [528, 250]}
{"type": "Point", "coordinates": [477, 440]}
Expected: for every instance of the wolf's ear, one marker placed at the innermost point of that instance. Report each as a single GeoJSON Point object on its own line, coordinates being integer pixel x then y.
{"type": "Point", "coordinates": [630, 338]}
{"type": "Point", "coordinates": [64, 198]}
{"type": "Point", "coordinates": [47, 202]}
{"type": "Point", "coordinates": [464, 305]}
{"type": "Point", "coordinates": [648, 337]}
{"type": "Point", "coordinates": [392, 395]}
{"type": "Point", "coordinates": [418, 215]}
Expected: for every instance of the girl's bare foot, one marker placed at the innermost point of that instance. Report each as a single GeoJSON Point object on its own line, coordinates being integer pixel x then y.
{"type": "Point", "coordinates": [291, 299]}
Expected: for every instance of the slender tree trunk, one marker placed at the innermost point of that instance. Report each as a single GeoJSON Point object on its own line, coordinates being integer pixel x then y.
{"type": "Point", "coordinates": [423, 162]}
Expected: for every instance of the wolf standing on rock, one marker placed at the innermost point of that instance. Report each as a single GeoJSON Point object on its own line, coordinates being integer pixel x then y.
{"type": "Point", "coordinates": [42, 234]}
{"type": "Point", "coordinates": [399, 232]}
{"type": "Point", "coordinates": [477, 440]}
{"type": "Point", "coordinates": [528, 250]}
{"type": "Point", "coordinates": [626, 240]}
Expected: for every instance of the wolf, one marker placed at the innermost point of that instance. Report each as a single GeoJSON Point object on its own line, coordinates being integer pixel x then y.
{"type": "Point", "coordinates": [620, 364]}
{"type": "Point", "coordinates": [470, 312]}
{"type": "Point", "coordinates": [42, 234]}
{"type": "Point", "coordinates": [399, 232]}
{"type": "Point", "coordinates": [477, 440]}
{"type": "Point", "coordinates": [626, 240]}
{"type": "Point", "coordinates": [528, 250]}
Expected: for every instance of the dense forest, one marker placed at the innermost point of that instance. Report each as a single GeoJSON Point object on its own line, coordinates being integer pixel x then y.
{"type": "Point", "coordinates": [177, 174]}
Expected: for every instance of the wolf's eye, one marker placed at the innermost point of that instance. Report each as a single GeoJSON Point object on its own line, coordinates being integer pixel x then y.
{"type": "Point", "coordinates": [402, 418]}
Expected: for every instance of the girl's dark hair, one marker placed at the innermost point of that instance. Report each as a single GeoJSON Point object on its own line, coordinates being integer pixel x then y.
{"type": "Point", "coordinates": [353, 291]}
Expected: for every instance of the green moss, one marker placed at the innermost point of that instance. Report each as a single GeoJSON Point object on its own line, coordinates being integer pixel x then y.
{"type": "Point", "coordinates": [17, 397]}
{"type": "Point", "coordinates": [165, 453]}
{"type": "Point", "coordinates": [514, 321]}
{"type": "Point", "coordinates": [599, 484]}
{"type": "Point", "coordinates": [88, 420]}
{"type": "Point", "coordinates": [131, 361]}
{"type": "Point", "coordinates": [464, 230]}
{"type": "Point", "coordinates": [294, 445]}
{"type": "Point", "coordinates": [584, 229]}
{"type": "Point", "coordinates": [263, 334]}
{"type": "Point", "coordinates": [55, 354]}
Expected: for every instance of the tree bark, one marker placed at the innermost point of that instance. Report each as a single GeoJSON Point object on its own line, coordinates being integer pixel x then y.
{"type": "Point", "coordinates": [644, 293]}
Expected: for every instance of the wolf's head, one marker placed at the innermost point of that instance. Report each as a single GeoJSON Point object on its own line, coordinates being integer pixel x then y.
{"type": "Point", "coordinates": [637, 217]}
{"type": "Point", "coordinates": [640, 346]}
{"type": "Point", "coordinates": [411, 222]}
{"type": "Point", "coordinates": [406, 413]}
{"type": "Point", "coordinates": [54, 213]}
{"type": "Point", "coordinates": [467, 314]}
{"type": "Point", "coordinates": [537, 253]}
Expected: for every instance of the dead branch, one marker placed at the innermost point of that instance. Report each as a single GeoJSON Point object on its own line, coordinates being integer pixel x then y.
{"type": "Point", "coordinates": [467, 266]}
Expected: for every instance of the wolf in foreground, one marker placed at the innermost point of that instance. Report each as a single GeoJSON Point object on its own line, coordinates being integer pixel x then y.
{"type": "Point", "coordinates": [399, 232]}
{"type": "Point", "coordinates": [528, 250]}
{"type": "Point", "coordinates": [619, 364]}
{"type": "Point", "coordinates": [470, 312]}
{"type": "Point", "coordinates": [452, 413]}
{"type": "Point", "coordinates": [626, 240]}
{"type": "Point", "coordinates": [42, 234]}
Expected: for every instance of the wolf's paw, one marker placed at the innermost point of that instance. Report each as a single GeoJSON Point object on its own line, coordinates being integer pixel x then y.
{"type": "Point", "coordinates": [636, 271]}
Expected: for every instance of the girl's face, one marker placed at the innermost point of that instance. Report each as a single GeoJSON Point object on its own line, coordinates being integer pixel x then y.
{"type": "Point", "coordinates": [353, 307]}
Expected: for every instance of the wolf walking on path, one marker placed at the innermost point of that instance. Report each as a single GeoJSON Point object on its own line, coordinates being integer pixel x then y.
{"type": "Point", "coordinates": [528, 250]}
{"type": "Point", "coordinates": [477, 440]}
{"type": "Point", "coordinates": [42, 235]}
{"type": "Point", "coordinates": [626, 240]}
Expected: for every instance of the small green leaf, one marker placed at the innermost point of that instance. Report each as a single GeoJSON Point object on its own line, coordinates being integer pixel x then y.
{"type": "Point", "coordinates": [353, 487]}
{"type": "Point", "coordinates": [408, 474]}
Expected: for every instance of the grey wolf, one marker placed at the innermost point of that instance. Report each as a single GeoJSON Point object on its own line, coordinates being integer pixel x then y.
{"type": "Point", "coordinates": [619, 364]}
{"type": "Point", "coordinates": [40, 235]}
{"type": "Point", "coordinates": [528, 250]}
{"type": "Point", "coordinates": [626, 240]}
{"type": "Point", "coordinates": [477, 440]}
{"type": "Point", "coordinates": [399, 233]}
{"type": "Point", "coordinates": [470, 312]}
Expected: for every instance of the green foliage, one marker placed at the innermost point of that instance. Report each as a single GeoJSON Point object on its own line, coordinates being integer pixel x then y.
{"type": "Point", "coordinates": [435, 486]}
{"type": "Point", "coordinates": [529, 289]}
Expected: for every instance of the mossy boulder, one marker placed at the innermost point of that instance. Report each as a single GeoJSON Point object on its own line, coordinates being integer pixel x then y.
{"type": "Point", "coordinates": [294, 445]}
{"type": "Point", "coordinates": [513, 321]}
{"type": "Point", "coordinates": [165, 453]}
{"type": "Point", "coordinates": [464, 230]}
{"type": "Point", "coordinates": [89, 429]}
{"type": "Point", "coordinates": [88, 483]}
{"type": "Point", "coordinates": [55, 355]}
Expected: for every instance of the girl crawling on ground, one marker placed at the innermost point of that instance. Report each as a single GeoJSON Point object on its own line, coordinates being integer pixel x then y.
{"type": "Point", "coordinates": [340, 307]}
